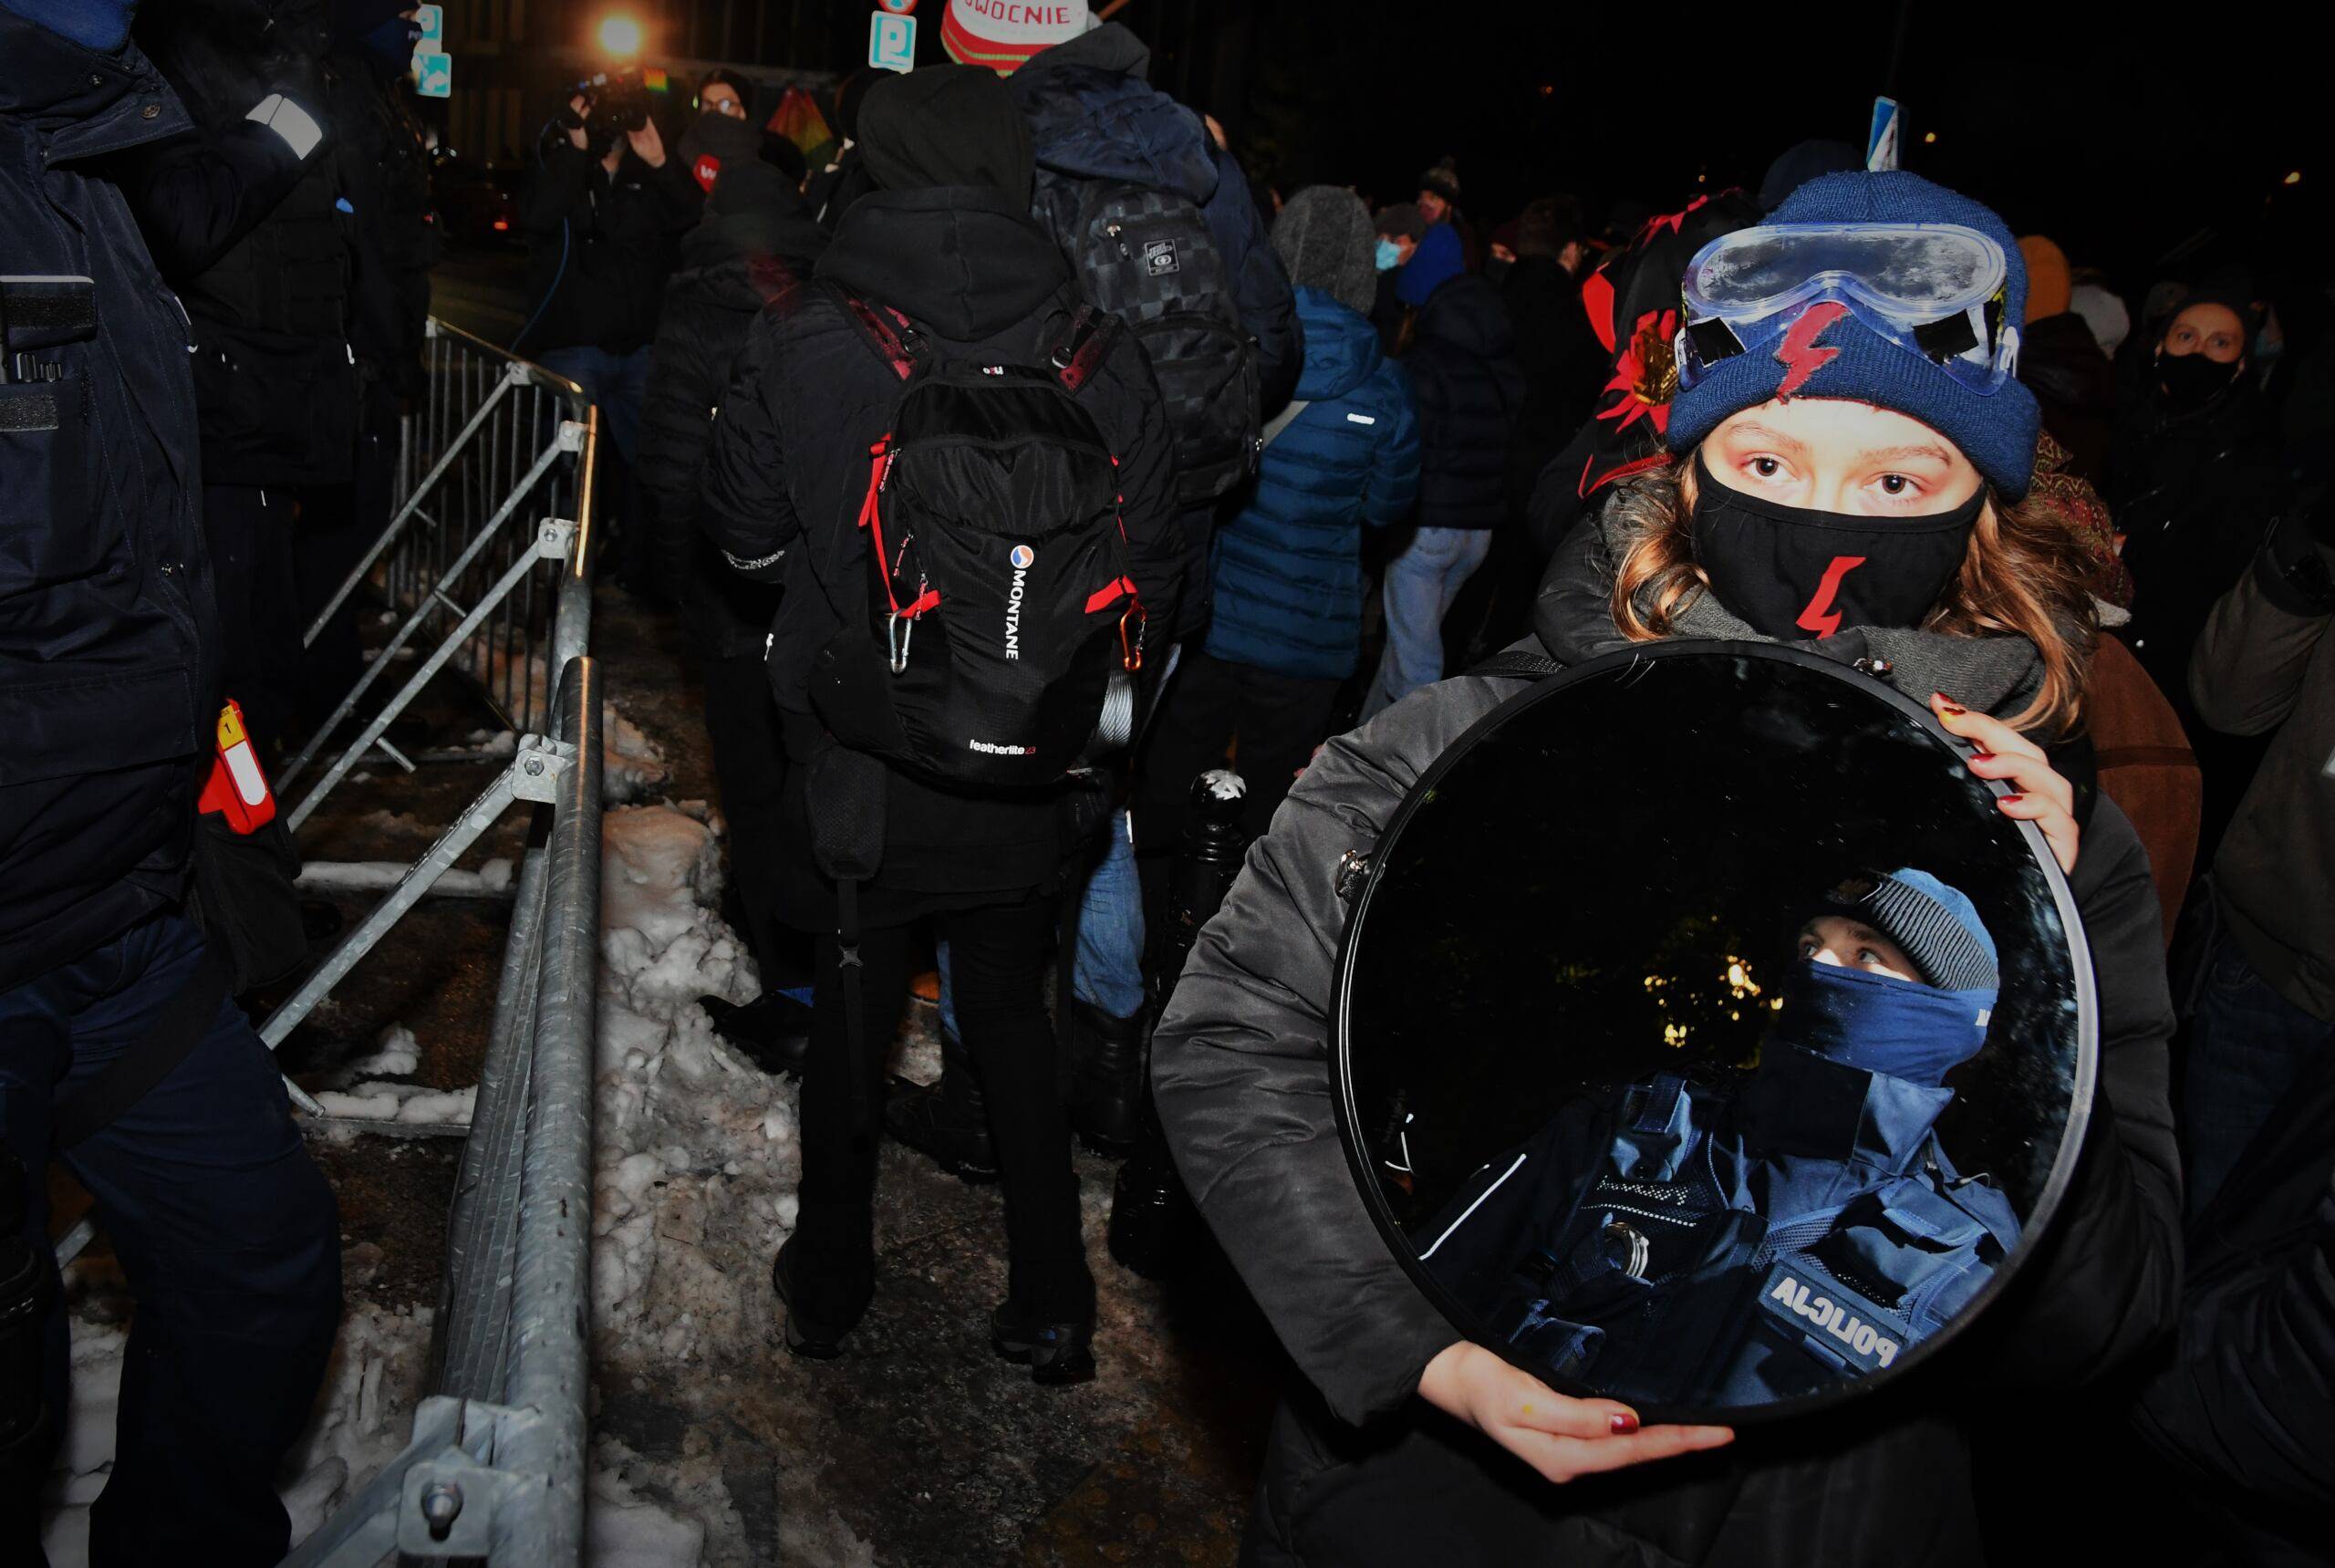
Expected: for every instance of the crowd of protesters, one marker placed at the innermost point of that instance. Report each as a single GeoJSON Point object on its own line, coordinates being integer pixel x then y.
{"type": "Point", "coordinates": [1349, 441]}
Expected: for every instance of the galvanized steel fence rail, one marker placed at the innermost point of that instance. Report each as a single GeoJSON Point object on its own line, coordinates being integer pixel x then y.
{"type": "Point", "coordinates": [499, 453]}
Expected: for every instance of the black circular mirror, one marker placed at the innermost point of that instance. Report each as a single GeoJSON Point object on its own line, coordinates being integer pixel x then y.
{"type": "Point", "coordinates": [1707, 1038]}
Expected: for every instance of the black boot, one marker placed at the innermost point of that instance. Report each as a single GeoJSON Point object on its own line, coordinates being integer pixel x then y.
{"type": "Point", "coordinates": [827, 1288]}
{"type": "Point", "coordinates": [1107, 1083]}
{"type": "Point", "coordinates": [947, 1120]}
{"type": "Point", "coordinates": [772, 1031]}
{"type": "Point", "coordinates": [1048, 1321]}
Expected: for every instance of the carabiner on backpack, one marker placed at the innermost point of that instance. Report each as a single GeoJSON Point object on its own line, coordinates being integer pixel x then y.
{"type": "Point", "coordinates": [899, 631]}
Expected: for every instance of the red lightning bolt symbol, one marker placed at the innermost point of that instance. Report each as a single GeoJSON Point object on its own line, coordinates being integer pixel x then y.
{"type": "Point", "coordinates": [1799, 355]}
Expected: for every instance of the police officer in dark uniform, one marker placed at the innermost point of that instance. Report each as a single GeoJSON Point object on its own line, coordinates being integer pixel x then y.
{"type": "Point", "coordinates": [1692, 1243]}
{"type": "Point", "coordinates": [224, 1227]}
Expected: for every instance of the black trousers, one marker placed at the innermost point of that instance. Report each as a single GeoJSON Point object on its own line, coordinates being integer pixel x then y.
{"type": "Point", "coordinates": [249, 533]}
{"type": "Point", "coordinates": [997, 956]}
{"type": "Point", "coordinates": [750, 772]}
{"type": "Point", "coordinates": [227, 1231]}
{"type": "Point", "coordinates": [1209, 703]}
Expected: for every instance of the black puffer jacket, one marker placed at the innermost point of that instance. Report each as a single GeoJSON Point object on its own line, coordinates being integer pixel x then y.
{"type": "Point", "coordinates": [733, 265]}
{"type": "Point", "coordinates": [1360, 1472]}
{"type": "Point", "coordinates": [789, 468]}
{"type": "Point", "coordinates": [106, 694]}
{"type": "Point", "coordinates": [2193, 494]}
{"type": "Point", "coordinates": [1470, 390]}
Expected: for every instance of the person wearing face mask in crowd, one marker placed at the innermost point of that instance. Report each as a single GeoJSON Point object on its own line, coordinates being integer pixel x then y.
{"type": "Point", "coordinates": [1461, 351]}
{"type": "Point", "coordinates": [1664, 1241]}
{"type": "Point", "coordinates": [1400, 228]}
{"type": "Point", "coordinates": [2195, 480]}
{"type": "Point", "coordinates": [1833, 485]}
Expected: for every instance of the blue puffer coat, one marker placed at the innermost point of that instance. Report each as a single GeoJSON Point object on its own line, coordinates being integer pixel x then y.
{"type": "Point", "coordinates": [1288, 570]}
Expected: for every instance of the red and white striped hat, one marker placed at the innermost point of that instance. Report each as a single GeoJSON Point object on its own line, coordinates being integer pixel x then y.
{"type": "Point", "coordinates": [1001, 34]}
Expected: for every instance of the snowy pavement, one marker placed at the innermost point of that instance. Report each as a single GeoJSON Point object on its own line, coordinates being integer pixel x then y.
{"type": "Point", "coordinates": [711, 1444]}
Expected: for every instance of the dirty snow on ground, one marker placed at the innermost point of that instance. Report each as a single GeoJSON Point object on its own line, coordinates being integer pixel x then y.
{"type": "Point", "coordinates": [491, 880]}
{"type": "Point", "coordinates": [362, 1421]}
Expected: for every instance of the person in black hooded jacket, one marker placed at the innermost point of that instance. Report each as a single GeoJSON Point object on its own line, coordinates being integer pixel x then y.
{"type": "Point", "coordinates": [756, 242]}
{"type": "Point", "coordinates": [946, 240]}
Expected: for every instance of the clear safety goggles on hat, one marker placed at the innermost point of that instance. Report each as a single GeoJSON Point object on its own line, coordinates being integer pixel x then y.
{"type": "Point", "coordinates": [1934, 289]}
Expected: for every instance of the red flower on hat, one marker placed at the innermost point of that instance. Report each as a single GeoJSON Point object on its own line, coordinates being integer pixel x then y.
{"type": "Point", "coordinates": [1645, 374]}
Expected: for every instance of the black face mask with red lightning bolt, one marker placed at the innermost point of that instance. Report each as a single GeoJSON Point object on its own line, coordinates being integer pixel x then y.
{"type": "Point", "coordinates": [1794, 573]}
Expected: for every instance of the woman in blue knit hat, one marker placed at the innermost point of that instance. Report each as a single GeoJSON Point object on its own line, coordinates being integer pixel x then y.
{"type": "Point", "coordinates": [1851, 451]}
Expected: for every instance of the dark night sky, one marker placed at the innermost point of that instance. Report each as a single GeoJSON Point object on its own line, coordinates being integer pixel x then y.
{"type": "Point", "coordinates": [2097, 125]}
{"type": "Point", "coordinates": [2089, 123]}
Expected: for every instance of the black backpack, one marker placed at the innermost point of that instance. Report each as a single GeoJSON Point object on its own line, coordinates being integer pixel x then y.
{"type": "Point", "coordinates": [996, 639]}
{"type": "Point", "coordinates": [1147, 258]}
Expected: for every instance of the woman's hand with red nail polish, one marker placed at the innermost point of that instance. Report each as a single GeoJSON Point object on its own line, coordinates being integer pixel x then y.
{"type": "Point", "coordinates": [2040, 795]}
{"type": "Point", "coordinates": [1561, 1437]}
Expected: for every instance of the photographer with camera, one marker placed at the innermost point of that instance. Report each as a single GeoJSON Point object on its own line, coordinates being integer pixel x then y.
{"type": "Point", "coordinates": [604, 218]}
{"type": "Point", "coordinates": [120, 1053]}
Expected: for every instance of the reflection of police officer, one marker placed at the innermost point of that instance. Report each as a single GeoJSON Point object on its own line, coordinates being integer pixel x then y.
{"type": "Point", "coordinates": [1736, 1244]}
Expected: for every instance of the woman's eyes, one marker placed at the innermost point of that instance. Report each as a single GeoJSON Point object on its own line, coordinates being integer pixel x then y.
{"type": "Point", "coordinates": [1766, 467]}
{"type": "Point", "coordinates": [1894, 483]}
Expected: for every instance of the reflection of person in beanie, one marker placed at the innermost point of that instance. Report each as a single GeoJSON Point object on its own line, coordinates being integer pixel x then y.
{"type": "Point", "coordinates": [1896, 974]}
{"type": "Point", "coordinates": [1849, 1235]}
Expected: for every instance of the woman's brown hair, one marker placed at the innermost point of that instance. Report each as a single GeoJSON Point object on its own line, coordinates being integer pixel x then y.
{"type": "Point", "coordinates": [2026, 573]}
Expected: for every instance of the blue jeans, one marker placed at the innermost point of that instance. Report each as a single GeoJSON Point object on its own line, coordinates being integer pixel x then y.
{"type": "Point", "coordinates": [615, 381]}
{"type": "Point", "coordinates": [2246, 1046]}
{"type": "Point", "coordinates": [1106, 972]}
{"type": "Point", "coordinates": [228, 1234]}
{"type": "Point", "coordinates": [1421, 583]}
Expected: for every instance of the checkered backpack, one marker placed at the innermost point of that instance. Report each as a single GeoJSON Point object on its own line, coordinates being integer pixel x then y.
{"type": "Point", "coordinates": [1147, 258]}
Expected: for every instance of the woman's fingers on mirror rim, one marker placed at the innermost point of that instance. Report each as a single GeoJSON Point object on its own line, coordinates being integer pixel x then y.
{"type": "Point", "coordinates": [1563, 1458]}
{"type": "Point", "coordinates": [2055, 821]}
{"type": "Point", "coordinates": [2003, 752]}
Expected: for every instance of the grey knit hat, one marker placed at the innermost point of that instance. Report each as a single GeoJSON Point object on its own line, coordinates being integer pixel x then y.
{"type": "Point", "coordinates": [1936, 925]}
{"type": "Point", "coordinates": [1325, 237]}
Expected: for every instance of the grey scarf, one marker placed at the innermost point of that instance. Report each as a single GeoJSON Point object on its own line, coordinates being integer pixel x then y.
{"type": "Point", "coordinates": [1998, 675]}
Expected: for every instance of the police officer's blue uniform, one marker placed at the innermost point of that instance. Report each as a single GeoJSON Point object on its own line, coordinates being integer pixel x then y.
{"type": "Point", "coordinates": [1685, 1244]}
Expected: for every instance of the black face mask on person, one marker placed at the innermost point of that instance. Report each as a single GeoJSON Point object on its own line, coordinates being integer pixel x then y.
{"type": "Point", "coordinates": [1793, 572]}
{"type": "Point", "coordinates": [2187, 382]}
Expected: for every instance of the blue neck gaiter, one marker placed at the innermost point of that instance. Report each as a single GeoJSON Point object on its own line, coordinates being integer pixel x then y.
{"type": "Point", "coordinates": [99, 25]}
{"type": "Point", "coordinates": [1878, 1024]}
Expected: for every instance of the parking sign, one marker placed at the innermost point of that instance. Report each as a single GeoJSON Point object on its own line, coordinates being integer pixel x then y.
{"type": "Point", "coordinates": [891, 41]}
{"type": "Point", "coordinates": [434, 75]}
{"type": "Point", "coordinates": [431, 20]}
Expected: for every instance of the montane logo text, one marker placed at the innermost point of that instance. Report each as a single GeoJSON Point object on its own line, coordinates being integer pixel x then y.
{"type": "Point", "coordinates": [1022, 556]}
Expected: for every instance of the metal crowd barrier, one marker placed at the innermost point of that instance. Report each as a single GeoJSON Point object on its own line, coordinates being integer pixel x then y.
{"type": "Point", "coordinates": [496, 1466]}
{"type": "Point", "coordinates": [495, 1469]}
{"type": "Point", "coordinates": [504, 452]}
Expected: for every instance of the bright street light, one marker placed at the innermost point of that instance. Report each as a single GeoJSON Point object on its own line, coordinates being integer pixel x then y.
{"type": "Point", "coordinates": [620, 35]}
